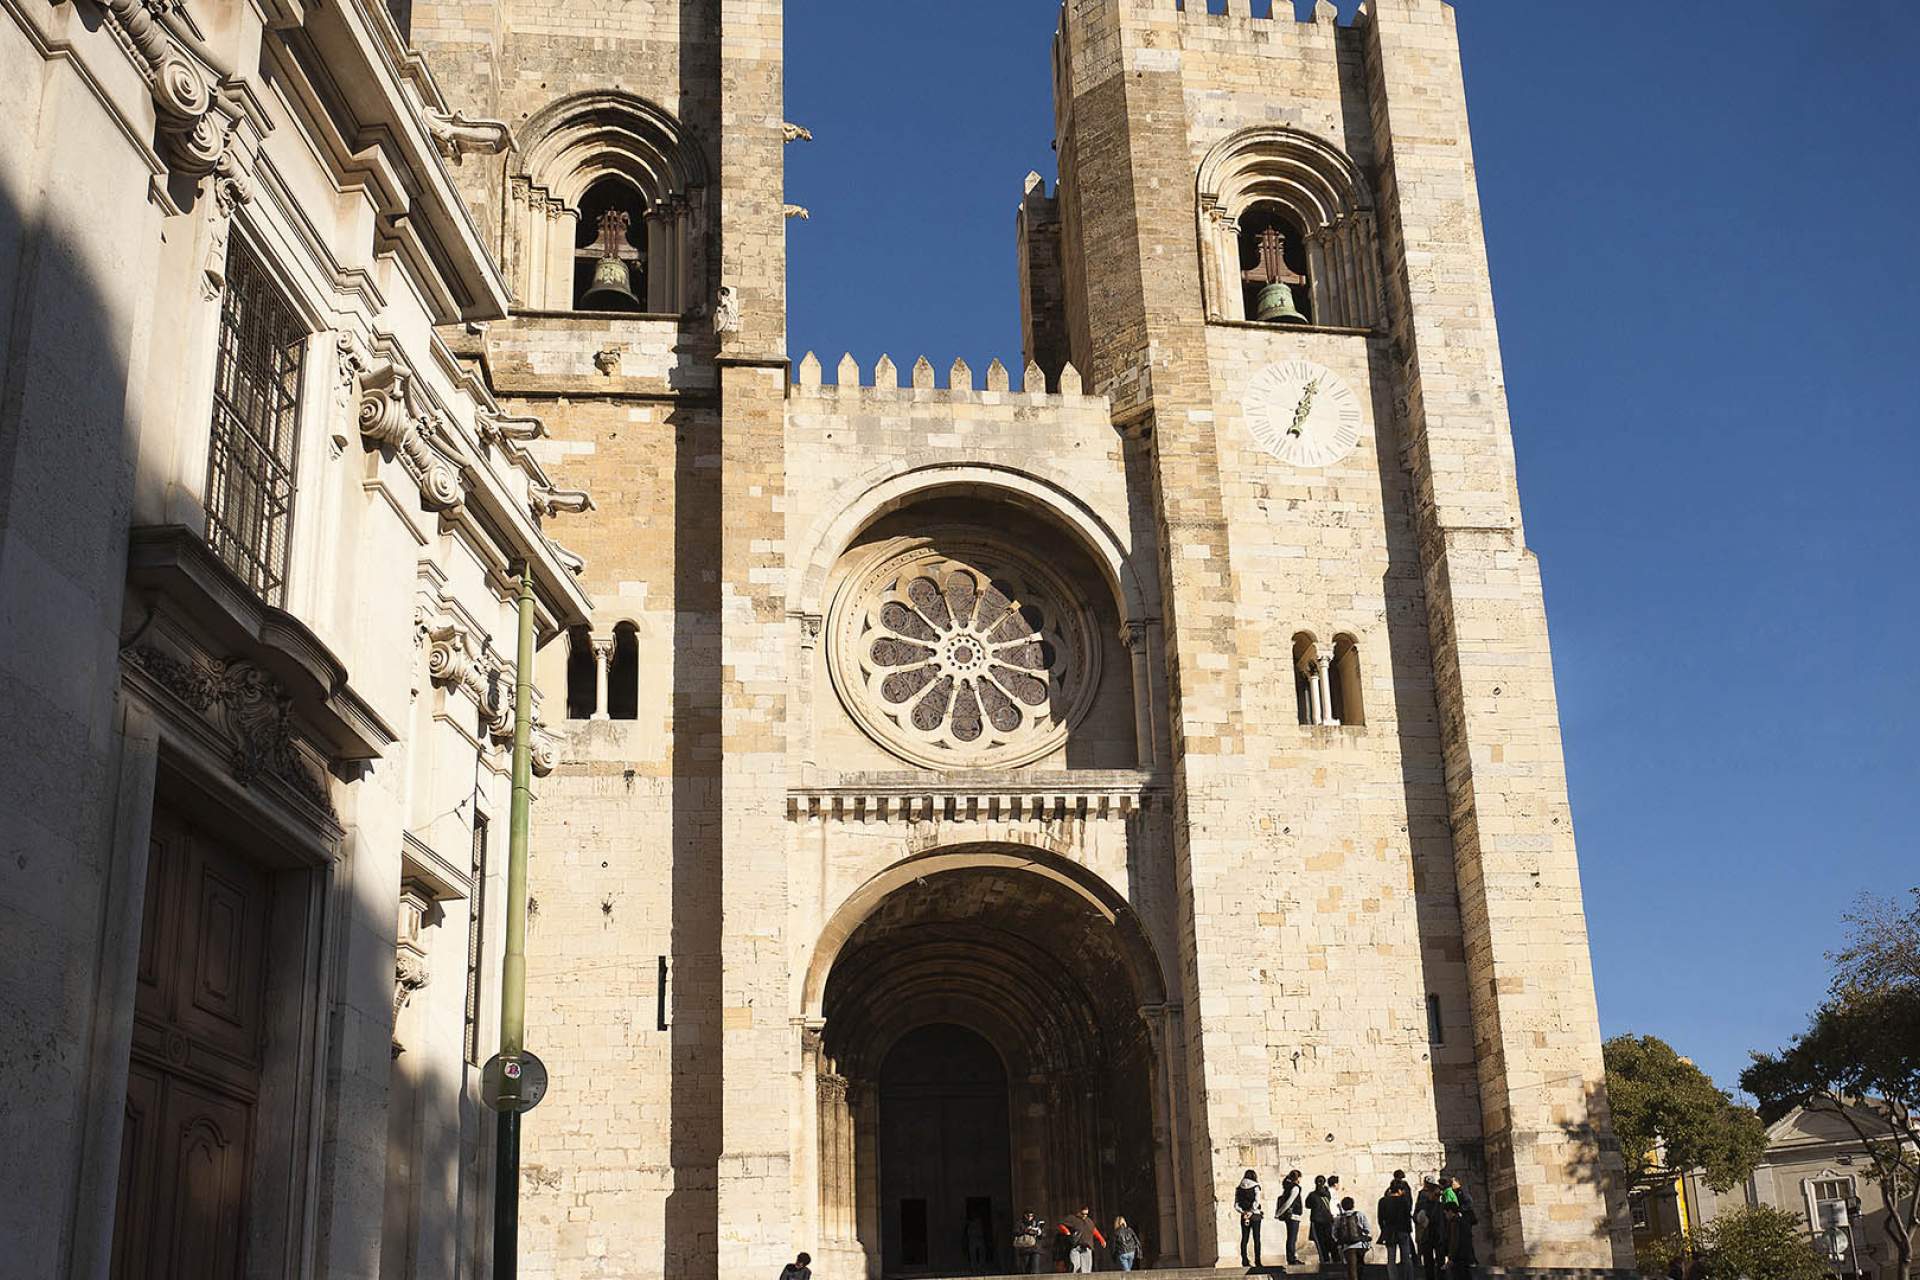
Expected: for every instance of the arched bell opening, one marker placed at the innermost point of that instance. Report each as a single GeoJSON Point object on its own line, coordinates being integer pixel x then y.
{"type": "Point", "coordinates": [1275, 285]}
{"type": "Point", "coordinates": [609, 249]}
{"type": "Point", "coordinates": [960, 970]}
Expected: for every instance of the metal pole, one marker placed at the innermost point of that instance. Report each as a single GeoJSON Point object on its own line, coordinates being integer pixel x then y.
{"type": "Point", "coordinates": [513, 964]}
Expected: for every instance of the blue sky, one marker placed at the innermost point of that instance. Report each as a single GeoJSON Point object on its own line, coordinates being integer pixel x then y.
{"type": "Point", "coordinates": [1702, 225]}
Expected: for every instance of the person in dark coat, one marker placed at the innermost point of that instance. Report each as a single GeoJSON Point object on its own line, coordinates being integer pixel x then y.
{"type": "Point", "coordinates": [1460, 1220]}
{"type": "Point", "coordinates": [1028, 1234]}
{"type": "Point", "coordinates": [1430, 1228]}
{"type": "Point", "coordinates": [1320, 1220]}
{"type": "Point", "coordinates": [1289, 1208]}
{"type": "Point", "coordinates": [1395, 1218]}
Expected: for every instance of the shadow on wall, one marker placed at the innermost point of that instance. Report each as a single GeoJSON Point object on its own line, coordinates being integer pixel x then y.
{"type": "Point", "coordinates": [1593, 1159]}
{"type": "Point", "coordinates": [691, 1244]}
{"type": "Point", "coordinates": [67, 459]}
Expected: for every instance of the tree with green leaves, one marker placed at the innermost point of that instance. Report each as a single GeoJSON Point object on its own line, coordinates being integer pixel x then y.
{"type": "Point", "coordinates": [1859, 1060]}
{"type": "Point", "coordinates": [1668, 1115]}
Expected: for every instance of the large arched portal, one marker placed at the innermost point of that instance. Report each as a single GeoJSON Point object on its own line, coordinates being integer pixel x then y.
{"type": "Point", "coordinates": [984, 1053]}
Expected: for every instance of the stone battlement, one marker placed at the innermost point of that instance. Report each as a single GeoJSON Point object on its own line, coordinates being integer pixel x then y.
{"type": "Point", "coordinates": [960, 388]}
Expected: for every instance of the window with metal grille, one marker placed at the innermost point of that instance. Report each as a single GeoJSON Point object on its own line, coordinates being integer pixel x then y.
{"type": "Point", "coordinates": [476, 916]}
{"type": "Point", "coordinates": [256, 396]}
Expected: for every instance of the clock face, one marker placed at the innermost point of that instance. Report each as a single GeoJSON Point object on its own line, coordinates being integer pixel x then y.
{"type": "Point", "coordinates": [1301, 412]}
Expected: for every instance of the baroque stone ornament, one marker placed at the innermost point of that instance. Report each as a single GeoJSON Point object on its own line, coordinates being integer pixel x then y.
{"type": "Point", "coordinates": [249, 707]}
{"type": "Point", "coordinates": [390, 418]}
{"type": "Point", "coordinates": [954, 653]}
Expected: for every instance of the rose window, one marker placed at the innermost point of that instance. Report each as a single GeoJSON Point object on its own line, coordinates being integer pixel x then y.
{"type": "Point", "coordinates": [963, 656]}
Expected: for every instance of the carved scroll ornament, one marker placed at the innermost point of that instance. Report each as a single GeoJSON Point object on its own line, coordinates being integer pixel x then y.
{"type": "Point", "coordinates": [390, 419]}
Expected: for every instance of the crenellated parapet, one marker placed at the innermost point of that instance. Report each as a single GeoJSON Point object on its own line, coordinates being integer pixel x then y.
{"type": "Point", "coordinates": [960, 389]}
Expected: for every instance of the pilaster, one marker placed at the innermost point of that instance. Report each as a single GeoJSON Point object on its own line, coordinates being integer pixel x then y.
{"type": "Point", "coordinates": [760, 1056]}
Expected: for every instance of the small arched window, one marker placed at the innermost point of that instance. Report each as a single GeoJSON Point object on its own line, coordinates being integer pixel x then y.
{"type": "Point", "coordinates": [1344, 684]}
{"type": "Point", "coordinates": [1281, 207]}
{"type": "Point", "coordinates": [623, 674]}
{"type": "Point", "coordinates": [581, 694]}
{"type": "Point", "coordinates": [609, 254]}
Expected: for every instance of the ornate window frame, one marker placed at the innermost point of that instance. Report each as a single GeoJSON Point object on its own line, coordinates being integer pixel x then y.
{"type": "Point", "coordinates": [1318, 186]}
{"type": "Point", "coordinates": [570, 145]}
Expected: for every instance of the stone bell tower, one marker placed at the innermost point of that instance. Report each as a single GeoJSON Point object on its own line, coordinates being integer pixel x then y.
{"type": "Point", "coordinates": [1381, 924]}
{"type": "Point", "coordinates": [633, 184]}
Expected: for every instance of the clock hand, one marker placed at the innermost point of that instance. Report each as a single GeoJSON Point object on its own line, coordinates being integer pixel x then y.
{"type": "Point", "coordinates": [1304, 409]}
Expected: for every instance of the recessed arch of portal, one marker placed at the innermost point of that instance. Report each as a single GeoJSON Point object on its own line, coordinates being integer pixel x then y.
{"type": "Point", "coordinates": [1073, 882]}
{"type": "Point", "coordinates": [1033, 960]}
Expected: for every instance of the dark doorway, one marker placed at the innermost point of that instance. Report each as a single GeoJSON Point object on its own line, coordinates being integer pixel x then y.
{"type": "Point", "coordinates": [945, 1164]}
{"type": "Point", "coordinates": [195, 1074]}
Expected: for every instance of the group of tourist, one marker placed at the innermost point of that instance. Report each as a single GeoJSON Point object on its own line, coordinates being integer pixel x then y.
{"type": "Point", "coordinates": [1077, 1237]}
{"type": "Point", "coordinates": [1433, 1226]}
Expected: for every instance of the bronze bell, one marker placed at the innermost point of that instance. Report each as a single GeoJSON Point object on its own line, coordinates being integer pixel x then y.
{"type": "Point", "coordinates": [1275, 306]}
{"type": "Point", "coordinates": [612, 287]}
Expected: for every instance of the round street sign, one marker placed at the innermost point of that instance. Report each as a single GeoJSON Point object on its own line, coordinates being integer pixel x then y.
{"type": "Point", "coordinates": [513, 1083]}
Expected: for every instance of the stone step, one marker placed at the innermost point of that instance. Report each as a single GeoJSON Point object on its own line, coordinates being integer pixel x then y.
{"type": "Point", "coordinates": [1373, 1271]}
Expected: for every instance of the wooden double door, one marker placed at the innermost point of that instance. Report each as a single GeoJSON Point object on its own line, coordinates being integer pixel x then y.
{"type": "Point", "coordinates": [194, 1078]}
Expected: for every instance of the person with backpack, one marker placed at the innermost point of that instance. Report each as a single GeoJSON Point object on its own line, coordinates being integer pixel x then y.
{"type": "Point", "coordinates": [1289, 1208]}
{"type": "Point", "coordinates": [1126, 1244]}
{"type": "Point", "coordinates": [1027, 1234]}
{"type": "Point", "coordinates": [1353, 1235]}
{"type": "Point", "coordinates": [1396, 1229]}
{"type": "Point", "coordinates": [1246, 1198]}
{"type": "Point", "coordinates": [1320, 1218]}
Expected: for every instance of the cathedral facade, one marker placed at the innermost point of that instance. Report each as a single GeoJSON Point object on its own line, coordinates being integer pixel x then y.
{"type": "Point", "coordinates": [963, 791]}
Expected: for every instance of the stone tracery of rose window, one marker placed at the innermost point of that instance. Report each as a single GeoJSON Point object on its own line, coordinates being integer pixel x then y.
{"type": "Point", "coordinates": [963, 655]}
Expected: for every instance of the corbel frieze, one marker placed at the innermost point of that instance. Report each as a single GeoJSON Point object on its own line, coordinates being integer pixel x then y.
{"type": "Point", "coordinates": [391, 417]}
{"type": "Point", "coordinates": [248, 707]}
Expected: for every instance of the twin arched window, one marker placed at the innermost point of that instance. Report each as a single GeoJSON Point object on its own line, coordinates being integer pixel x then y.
{"type": "Point", "coordinates": [603, 674]}
{"type": "Point", "coordinates": [607, 211]}
{"type": "Point", "coordinates": [1286, 232]}
{"type": "Point", "coordinates": [1326, 681]}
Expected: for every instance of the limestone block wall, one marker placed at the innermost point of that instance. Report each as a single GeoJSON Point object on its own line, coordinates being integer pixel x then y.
{"type": "Point", "coordinates": [1357, 915]}
{"type": "Point", "coordinates": [621, 1155]}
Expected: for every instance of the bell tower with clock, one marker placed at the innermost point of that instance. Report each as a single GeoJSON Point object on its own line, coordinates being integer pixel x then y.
{"type": "Point", "coordinates": [1271, 260]}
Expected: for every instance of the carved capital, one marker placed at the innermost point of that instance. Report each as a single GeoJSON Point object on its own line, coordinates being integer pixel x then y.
{"type": "Point", "coordinates": [810, 625]}
{"type": "Point", "coordinates": [603, 649]}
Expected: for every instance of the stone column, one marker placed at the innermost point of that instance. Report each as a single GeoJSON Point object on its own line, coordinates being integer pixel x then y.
{"type": "Point", "coordinates": [602, 656]}
{"type": "Point", "coordinates": [1323, 680]}
{"type": "Point", "coordinates": [1175, 1226]}
{"type": "Point", "coordinates": [1134, 636]}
